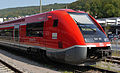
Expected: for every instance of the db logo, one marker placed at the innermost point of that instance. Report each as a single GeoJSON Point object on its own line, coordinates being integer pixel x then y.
{"type": "Point", "coordinates": [101, 44]}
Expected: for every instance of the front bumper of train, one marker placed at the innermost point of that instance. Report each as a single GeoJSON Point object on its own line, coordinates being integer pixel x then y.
{"type": "Point", "coordinates": [79, 54]}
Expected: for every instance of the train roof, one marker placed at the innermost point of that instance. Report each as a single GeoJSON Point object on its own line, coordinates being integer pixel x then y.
{"type": "Point", "coordinates": [23, 19]}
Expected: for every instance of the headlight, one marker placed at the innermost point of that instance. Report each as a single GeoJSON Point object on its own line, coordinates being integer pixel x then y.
{"type": "Point", "coordinates": [96, 38]}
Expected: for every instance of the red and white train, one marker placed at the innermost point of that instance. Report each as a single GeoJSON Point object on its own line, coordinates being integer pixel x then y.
{"type": "Point", "coordinates": [64, 35]}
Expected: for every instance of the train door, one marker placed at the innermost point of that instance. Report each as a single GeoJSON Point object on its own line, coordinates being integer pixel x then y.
{"type": "Point", "coordinates": [47, 33]}
{"type": "Point", "coordinates": [16, 33]}
{"type": "Point", "coordinates": [51, 32]}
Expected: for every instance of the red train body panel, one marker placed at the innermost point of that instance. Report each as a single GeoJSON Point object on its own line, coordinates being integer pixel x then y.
{"type": "Point", "coordinates": [59, 34]}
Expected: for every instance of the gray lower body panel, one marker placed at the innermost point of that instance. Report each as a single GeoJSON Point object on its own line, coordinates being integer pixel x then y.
{"type": "Point", "coordinates": [74, 55]}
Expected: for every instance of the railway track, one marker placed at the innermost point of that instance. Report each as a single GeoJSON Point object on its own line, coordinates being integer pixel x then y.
{"type": "Point", "coordinates": [6, 68]}
{"type": "Point", "coordinates": [93, 70]}
{"type": "Point", "coordinates": [61, 66]}
{"type": "Point", "coordinates": [79, 69]}
{"type": "Point", "coordinates": [83, 69]}
{"type": "Point", "coordinates": [113, 59]}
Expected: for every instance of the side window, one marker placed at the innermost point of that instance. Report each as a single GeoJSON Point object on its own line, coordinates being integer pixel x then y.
{"type": "Point", "coordinates": [35, 29]}
{"type": "Point", "coordinates": [55, 23]}
{"type": "Point", "coordinates": [6, 32]}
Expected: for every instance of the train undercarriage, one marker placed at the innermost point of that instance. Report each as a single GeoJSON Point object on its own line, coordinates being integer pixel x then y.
{"type": "Point", "coordinates": [98, 52]}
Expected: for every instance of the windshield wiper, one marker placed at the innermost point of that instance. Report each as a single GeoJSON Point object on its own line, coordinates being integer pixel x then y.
{"type": "Point", "coordinates": [92, 29]}
{"type": "Point", "coordinates": [86, 26]}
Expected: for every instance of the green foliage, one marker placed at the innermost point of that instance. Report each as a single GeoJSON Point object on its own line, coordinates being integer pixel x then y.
{"type": "Point", "coordinates": [99, 8]}
{"type": "Point", "coordinates": [22, 11]}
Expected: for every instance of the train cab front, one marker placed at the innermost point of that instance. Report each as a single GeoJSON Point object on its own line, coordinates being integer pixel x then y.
{"type": "Point", "coordinates": [97, 44]}
{"type": "Point", "coordinates": [84, 38]}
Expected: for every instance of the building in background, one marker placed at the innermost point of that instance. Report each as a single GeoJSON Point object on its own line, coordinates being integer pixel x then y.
{"type": "Point", "coordinates": [111, 26]}
{"type": "Point", "coordinates": [1, 20]}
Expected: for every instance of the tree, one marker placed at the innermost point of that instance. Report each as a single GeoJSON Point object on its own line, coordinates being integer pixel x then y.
{"type": "Point", "coordinates": [99, 8]}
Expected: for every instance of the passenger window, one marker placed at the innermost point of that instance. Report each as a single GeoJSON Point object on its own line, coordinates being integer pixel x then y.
{"type": "Point", "coordinates": [55, 23]}
{"type": "Point", "coordinates": [35, 29]}
{"type": "Point", "coordinates": [6, 34]}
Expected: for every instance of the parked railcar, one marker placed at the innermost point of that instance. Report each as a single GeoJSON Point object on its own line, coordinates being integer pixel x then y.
{"type": "Point", "coordinates": [64, 35]}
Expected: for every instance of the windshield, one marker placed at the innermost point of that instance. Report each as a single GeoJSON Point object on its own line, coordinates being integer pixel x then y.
{"type": "Point", "coordinates": [83, 21]}
{"type": "Point", "coordinates": [81, 18]}
{"type": "Point", "coordinates": [90, 31]}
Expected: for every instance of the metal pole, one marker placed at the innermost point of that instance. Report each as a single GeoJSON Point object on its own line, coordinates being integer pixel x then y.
{"type": "Point", "coordinates": [66, 7]}
{"type": "Point", "coordinates": [116, 39]}
{"type": "Point", "coordinates": [116, 36]}
{"type": "Point", "coordinates": [106, 22]}
{"type": "Point", "coordinates": [40, 6]}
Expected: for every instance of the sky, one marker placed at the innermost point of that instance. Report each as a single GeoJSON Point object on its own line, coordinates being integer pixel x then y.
{"type": "Point", "coordinates": [21, 3]}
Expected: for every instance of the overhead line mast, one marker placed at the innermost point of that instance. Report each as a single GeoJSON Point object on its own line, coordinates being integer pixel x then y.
{"type": "Point", "coordinates": [40, 6]}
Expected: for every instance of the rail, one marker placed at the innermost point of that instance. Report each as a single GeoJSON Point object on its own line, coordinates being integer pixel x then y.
{"type": "Point", "coordinates": [10, 67]}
